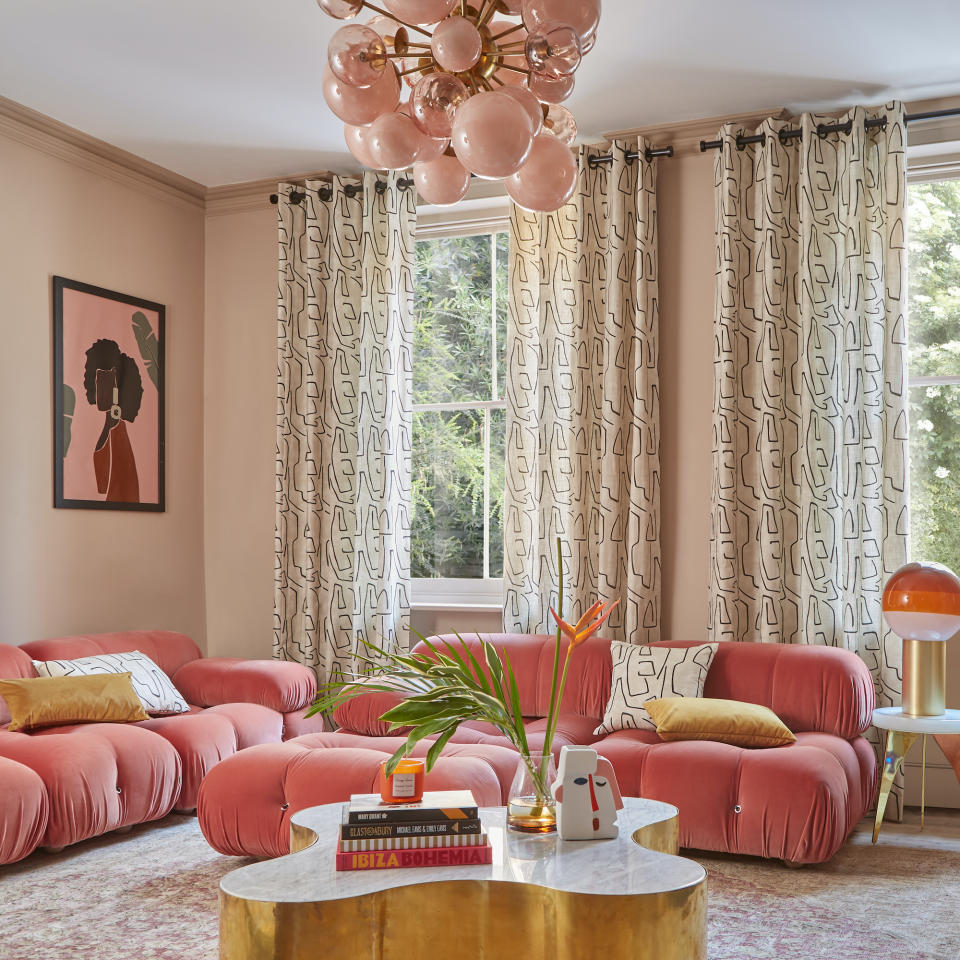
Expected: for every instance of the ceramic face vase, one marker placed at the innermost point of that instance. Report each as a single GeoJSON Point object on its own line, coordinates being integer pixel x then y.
{"type": "Point", "coordinates": [587, 796]}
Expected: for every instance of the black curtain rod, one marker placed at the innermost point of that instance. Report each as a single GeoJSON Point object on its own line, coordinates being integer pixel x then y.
{"type": "Point", "coordinates": [824, 129]}
{"type": "Point", "coordinates": [351, 190]}
{"type": "Point", "coordinates": [648, 155]}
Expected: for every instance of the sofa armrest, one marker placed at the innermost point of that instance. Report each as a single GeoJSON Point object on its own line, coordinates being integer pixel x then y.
{"type": "Point", "coordinates": [278, 684]}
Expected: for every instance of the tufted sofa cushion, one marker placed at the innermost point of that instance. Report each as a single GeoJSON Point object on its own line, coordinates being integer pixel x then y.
{"type": "Point", "coordinates": [246, 802]}
{"type": "Point", "coordinates": [280, 685]}
{"type": "Point", "coordinates": [97, 777]}
{"type": "Point", "coordinates": [796, 803]}
{"type": "Point", "coordinates": [24, 810]}
{"type": "Point", "coordinates": [203, 738]}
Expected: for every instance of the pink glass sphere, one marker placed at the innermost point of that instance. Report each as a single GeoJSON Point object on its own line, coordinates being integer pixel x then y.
{"type": "Point", "coordinates": [559, 121]}
{"type": "Point", "coordinates": [341, 9]}
{"type": "Point", "coordinates": [430, 149]}
{"type": "Point", "coordinates": [357, 55]}
{"type": "Point", "coordinates": [582, 16]}
{"type": "Point", "coordinates": [361, 105]}
{"type": "Point", "coordinates": [385, 26]}
{"type": "Point", "coordinates": [515, 59]}
{"type": "Point", "coordinates": [491, 135]}
{"type": "Point", "coordinates": [554, 50]}
{"type": "Point", "coordinates": [420, 11]}
{"type": "Point", "coordinates": [436, 99]}
{"type": "Point", "coordinates": [529, 103]}
{"type": "Point", "coordinates": [550, 90]}
{"type": "Point", "coordinates": [456, 44]}
{"type": "Point", "coordinates": [441, 180]}
{"type": "Point", "coordinates": [356, 140]}
{"type": "Point", "coordinates": [548, 178]}
{"type": "Point", "coordinates": [394, 141]}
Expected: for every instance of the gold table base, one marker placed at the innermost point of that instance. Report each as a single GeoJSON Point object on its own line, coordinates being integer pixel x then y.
{"type": "Point", "coordinates": [470, 919]}
{"type": "Point", "coordinates": [898, 746]}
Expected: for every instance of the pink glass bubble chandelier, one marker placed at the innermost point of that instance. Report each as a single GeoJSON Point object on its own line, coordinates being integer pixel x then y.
{"type": "Point", "coordinates": [485, 87]}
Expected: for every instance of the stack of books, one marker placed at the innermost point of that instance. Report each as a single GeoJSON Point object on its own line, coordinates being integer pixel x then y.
{"type": "Point", "coordinates": [442, 830]}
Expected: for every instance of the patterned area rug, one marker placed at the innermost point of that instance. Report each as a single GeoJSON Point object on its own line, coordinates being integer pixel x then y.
{"type": "Point", "coordinates": [152, 895]}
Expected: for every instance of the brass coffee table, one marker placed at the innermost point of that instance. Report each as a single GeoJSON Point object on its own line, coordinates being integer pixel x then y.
{"type": "Point", "coordinates": [541, 899]}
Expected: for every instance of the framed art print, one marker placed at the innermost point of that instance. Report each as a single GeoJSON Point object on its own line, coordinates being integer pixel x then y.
{"type": "Point", "coordinates": [108, 400]}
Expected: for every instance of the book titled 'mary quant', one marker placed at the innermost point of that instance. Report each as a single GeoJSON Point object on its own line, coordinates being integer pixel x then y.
{"type": "Point", "coordinates": [435, 807]}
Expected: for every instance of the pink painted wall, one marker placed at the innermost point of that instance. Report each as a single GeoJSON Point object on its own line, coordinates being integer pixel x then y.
{"type": "Point", "coordinates": [240, 429]}
{"type": "Point", "coordinates": [71, 571]}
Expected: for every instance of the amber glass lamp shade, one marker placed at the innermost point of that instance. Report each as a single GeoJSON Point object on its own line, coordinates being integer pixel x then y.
{"type": "Point", "coordinates": [921, 603]}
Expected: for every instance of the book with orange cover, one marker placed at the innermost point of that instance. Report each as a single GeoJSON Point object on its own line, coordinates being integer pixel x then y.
{"type": "Point", "coordinates": [399, 859]}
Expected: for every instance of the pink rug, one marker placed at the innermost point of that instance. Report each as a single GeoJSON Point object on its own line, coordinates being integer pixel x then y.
{"type": "Point", "coordinates": [152, 895]}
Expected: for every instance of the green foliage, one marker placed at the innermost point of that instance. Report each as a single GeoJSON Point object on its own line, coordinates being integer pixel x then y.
{"type": "Point", "coordinates": [458, 357]}
{"type": "Point", "coordinates": [149, 348]}
{"type": "Point", "coordinates": [69, 405]}
{"type": "Point", "coordinates": [934, 338]}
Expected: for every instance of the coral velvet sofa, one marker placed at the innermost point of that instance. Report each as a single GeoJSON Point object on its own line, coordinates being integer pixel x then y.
{"type": "Point", "coordinates": [60, 785]}
{"type": "Point", "coordinates": [797, 803]}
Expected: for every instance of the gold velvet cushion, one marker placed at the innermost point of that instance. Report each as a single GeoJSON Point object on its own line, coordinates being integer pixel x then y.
{"type": "Point", "coordinates": [54, 701]}
{"type": "Point", "coordinates": [727, 721]}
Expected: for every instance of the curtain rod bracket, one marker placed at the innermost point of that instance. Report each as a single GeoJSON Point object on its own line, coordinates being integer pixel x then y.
{"type": "Point", "coordinates": [351, 190]}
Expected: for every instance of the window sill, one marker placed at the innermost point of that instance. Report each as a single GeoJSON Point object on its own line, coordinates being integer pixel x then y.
{"type": "Point", "coordinates": [475, 607]}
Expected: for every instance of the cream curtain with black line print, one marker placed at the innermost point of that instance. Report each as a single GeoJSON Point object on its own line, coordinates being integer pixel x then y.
{"type": "Point", "coordinates": [809, 493]}
{"type": "Point", "coordinates": [583, 410]}
{"type": "Point", "coordinates": [345, 335]}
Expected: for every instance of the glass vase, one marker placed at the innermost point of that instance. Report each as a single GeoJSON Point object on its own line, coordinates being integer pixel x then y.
{"type": "Point", "coordinates": [531, 807]}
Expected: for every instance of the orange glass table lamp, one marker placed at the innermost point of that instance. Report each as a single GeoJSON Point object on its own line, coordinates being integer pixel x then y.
{"type": "Point", "coordinates": [921, 604]}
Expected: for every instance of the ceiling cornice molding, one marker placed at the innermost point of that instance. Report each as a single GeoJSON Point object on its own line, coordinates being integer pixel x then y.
{"type": "Point", "coordinates": [685, 136]}
{"type": "Point", "coordinates": [56, 139]}
{"type": "Point", "coordinates": [251, 194]}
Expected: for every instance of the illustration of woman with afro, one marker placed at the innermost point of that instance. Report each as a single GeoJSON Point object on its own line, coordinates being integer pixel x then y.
{"type": "Point", "coordinates": [112, 383]}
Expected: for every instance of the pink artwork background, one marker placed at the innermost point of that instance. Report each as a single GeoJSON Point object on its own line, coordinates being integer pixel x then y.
{"type": "Point", "coordinates": [87, 318]}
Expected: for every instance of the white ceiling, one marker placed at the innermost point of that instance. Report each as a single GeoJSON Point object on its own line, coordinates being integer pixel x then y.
{"type": "Point", "coordinates": [224, 91]}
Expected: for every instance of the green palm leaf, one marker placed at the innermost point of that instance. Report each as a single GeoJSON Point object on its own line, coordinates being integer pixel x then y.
{"type": "Point", "coordinates": [149, 348]}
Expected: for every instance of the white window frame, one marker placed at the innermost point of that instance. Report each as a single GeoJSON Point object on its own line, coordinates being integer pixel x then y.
{"type": "Point", "coordinates": [927, 162]}
{"type": "Point", "coordinates": [485, 210]}
{"type": "Point", "coordinates": [932, 163]}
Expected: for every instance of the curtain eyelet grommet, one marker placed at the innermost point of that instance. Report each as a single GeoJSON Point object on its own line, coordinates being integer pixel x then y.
{"type": "Point", "coordinates": [737, 808]}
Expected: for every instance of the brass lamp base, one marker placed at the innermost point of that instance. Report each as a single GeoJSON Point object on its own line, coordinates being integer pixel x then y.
{"type": "Point", "coordinates": [924, 678]}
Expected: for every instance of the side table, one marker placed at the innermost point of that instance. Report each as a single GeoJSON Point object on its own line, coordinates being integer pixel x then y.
{"type": "Point", "coordinates": [902, 732]}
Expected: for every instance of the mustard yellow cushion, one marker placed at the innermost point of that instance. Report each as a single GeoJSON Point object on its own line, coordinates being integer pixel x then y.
{"type": "Point", "coordinates": [727, 721]}
{"type": "Point", "coordinates": [53, 701]}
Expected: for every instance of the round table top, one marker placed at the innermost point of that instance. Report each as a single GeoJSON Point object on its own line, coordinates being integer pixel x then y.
{"type": "Point", "coordinates": [893, 718]}
{"type": "Point", "coordinates": [615, 867]}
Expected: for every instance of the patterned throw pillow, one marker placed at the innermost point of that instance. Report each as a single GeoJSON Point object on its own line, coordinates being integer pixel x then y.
{"type": "Point", "coordinates": [651, 673]}
{"type": "Point", "coordinates": [152, 685]}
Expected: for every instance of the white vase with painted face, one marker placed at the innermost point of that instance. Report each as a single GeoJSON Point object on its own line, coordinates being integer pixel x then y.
{"type": "Point", "coordinates": [587, 796]}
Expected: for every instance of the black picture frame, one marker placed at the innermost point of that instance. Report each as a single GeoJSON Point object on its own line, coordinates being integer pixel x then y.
{"type": "Point", "coordinates": [61, 284]}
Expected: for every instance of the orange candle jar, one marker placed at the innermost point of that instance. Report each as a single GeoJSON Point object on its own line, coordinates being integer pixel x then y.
{"type": "Point", "coordinates": [405, 784]}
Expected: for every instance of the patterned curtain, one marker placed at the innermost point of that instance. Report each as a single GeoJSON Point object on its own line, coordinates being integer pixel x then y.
{"type": "Point", "coordinates": [809, 513]}
{"type": "Point", "coordinates": [343, 421]}
{"type": "Point", "coordinates": [583, 410]}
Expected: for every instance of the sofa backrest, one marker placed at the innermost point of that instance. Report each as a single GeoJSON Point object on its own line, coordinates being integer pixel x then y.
{"type": "Point", "coordinates": [14, 665]}
{"type": "Point", "coordinates": [811, 688]}
{"type": "Point", "coordinates": [531, 656]}
{"type": "Point", "coordinates": [169, 651]}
